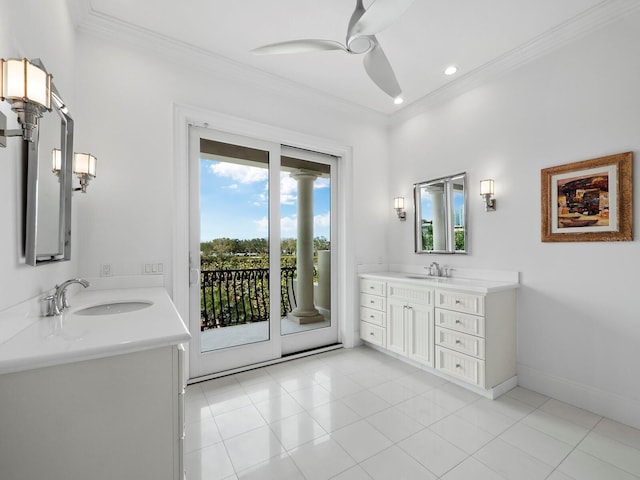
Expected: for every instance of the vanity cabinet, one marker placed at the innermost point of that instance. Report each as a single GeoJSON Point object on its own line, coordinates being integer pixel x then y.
{"type": "Point", "coordinates": [410, 322]}
{"type": "Point", "coordinates": [476, 336]}
{"type": "Point", "coordinates": [114, 417]}
{"type": "Point", "coordinates": [373, 312]}
{"type": "Point", "coordinates": [464, 331]}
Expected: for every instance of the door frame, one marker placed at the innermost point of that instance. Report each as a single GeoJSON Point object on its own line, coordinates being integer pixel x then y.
{"type": "Point", "coordinates": [346, 284]}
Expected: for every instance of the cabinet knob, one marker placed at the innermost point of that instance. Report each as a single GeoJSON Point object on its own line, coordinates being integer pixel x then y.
{"type": "Point", "coordinates": [458, 342]}
{"type": "Point", "coordinates": [458, 302]}
{"type": "Point", "coordinates": [458, 322]}
{"type": "Point", "coordinates": [372, 287]}
{"type": "Point", "coordinates": [372, 316]}
{"type": "Point", "coordinates": [371, 333]}
{"type": "Point", "coordinates": [458, 365]}
{"type": "Point", "coordinates": [371, 301]}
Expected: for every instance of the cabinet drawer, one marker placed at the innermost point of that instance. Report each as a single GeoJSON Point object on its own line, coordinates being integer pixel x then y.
{"type": "Point", "coordinates": [461, 366]}
{"type": "Point", "coordinates": [460, 302]}
{"type": "Point", "coordinates": [461, 322]}
{"type": "Point", "coordinates": [373, 334]}
{"type": "Point", "coordinates": [410, 293]}
{"type": "Point", "coordinates": [460, 342]}
{"type": "Point", "coordinates": [375, 287]}
{"type": "Point", "coordinates": [370, 315]}
{"type": "Point", "coordinates": [373, 301]}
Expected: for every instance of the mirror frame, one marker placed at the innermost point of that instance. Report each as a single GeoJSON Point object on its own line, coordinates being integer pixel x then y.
{"type": "Point", "coordinates": [450, 245]}
{"type": "Point", "coordinates": [63, 253]}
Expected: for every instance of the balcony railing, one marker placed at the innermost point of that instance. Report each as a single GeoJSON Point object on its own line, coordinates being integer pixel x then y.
{"type": "Point", "coordinates": [235, 297]}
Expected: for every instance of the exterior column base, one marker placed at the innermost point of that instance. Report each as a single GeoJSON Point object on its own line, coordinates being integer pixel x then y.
{"type": "Point", "coordinates": [304, 319]}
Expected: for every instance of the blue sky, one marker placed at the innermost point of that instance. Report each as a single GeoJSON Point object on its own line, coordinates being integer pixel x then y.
{"type": "Point", "coordinates": [234, 202]}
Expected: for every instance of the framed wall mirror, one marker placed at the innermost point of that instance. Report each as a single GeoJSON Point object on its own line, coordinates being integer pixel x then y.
{"type": "Point", "coordinates": [48, 209]}
{"type": "Point", "coordinates": [441, 215]}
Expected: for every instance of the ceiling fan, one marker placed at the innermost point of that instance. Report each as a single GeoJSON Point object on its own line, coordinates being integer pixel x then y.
{"type": "Point", "coordinates": [361, 39]}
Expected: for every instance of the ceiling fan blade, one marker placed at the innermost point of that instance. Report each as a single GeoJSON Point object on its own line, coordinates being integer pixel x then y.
{"type": "Point", "coordinates": [379, 70]}
{"type": "Point", "coordinates": [298, 46]}
{"type": "Point", "coordinates": [378, 16]}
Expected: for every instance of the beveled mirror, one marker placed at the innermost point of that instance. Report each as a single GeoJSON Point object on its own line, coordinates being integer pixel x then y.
{"type": "Point", "coordinates": [440, 215]}
{"type": "Point", "coordinates": [48, 212]}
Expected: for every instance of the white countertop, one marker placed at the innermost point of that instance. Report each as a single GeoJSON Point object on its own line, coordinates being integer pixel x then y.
{"type": "Point", "coordinates": [49, 341]}
{"type": "Point", "coordinates": [449, 283]}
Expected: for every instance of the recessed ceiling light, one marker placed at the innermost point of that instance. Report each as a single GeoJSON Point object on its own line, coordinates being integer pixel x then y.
{"type": "Point", "coordinates": [450, 70]}
{"type": "Point", "coordinates": [398, 100]}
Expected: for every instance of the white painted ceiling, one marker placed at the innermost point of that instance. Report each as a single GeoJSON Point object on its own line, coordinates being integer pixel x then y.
{"type": "Point", "coordinates": [431, 35]}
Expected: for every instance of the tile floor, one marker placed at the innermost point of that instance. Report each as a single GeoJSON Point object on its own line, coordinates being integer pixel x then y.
{"type": "Point", "coordinates": [356, 414]}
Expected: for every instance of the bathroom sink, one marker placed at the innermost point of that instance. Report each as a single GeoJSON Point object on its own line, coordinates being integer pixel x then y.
{"type": "Point", "coordinates": [417, 276]}
{"type": "Point", "coordinates": [114, 307]}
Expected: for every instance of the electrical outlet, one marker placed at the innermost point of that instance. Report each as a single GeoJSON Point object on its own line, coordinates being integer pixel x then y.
{"type": "Point", "coordinates": [106, 270]}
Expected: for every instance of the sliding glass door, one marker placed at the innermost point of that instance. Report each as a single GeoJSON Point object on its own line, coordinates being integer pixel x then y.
{"type": "Point", "coordinates": [260, 251]}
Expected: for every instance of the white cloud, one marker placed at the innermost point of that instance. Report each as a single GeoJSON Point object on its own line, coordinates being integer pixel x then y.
{"type": "Point", "coordinates": [321, 183]}
{"type": "Point", "coordinates": [262, 225]}
{"type": "Point", "coordinates": [288, 189]}
{"type": "Point", "coordinates": [289, 226]}
{"type": "Point", "coordinates": [239, 173]}
{"type": "Point", "coordinates": [322, 221]}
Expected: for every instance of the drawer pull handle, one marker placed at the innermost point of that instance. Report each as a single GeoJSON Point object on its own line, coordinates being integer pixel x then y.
{"type": "Point", "coordinates": [371, 333]}
{"type": "Point", "coordinates": [372, 287]}
{"type": "Point", "coordinates": [458, 342]}
{"type": "Point", "coordinates": [458, 302]}
{"type": "Point", "coordinates": [458, 322]}
{"type": "Point", "coordinates": [371, 301]}
{"type": "Point", "coordinates": [458, 365]}
{"type": "Point", "coordinates": [372, 316]}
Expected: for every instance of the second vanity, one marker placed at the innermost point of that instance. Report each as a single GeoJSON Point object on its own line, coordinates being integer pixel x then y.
{"type": "Point", "coordinates": [97, 392]}
{"type": "Point", "coordinates": [461, 329]}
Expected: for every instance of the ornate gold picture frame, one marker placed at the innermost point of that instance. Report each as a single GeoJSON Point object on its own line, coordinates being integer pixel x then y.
{"type": "Point", "coordinates": [588, 201]}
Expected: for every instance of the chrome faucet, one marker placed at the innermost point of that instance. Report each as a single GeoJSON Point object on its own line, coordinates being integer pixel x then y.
{"type": "Point", "coordinates": [434, 269]}
{"type": "Point", "coordinates": [58, 301]}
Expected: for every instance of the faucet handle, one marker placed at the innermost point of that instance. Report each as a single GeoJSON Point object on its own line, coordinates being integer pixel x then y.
{"type": "Point", "coordinates": [52, 306]}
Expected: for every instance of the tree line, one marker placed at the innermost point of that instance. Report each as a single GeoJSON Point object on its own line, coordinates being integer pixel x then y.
{"type": "Point", "coordinates": [254, 246]}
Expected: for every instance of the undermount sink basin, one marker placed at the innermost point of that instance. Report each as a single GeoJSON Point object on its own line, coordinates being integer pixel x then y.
{"type": "Point", "coordinates": [114, 307]}
{"type": "Point", "coordinates": [417, 276]}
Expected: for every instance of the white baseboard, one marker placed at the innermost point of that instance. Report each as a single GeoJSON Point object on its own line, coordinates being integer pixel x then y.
{"type": "Point", "coordinates": [601, 402]}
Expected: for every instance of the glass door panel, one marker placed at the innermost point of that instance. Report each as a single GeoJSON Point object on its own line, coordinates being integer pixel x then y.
{"type": "Point", "coordinates": [232, 252]}
{"type": "Point", "coordinates": [306, 202]}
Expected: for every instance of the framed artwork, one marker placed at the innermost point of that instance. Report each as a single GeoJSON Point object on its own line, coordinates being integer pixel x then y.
{"type": "Point", "coordinates": [588, 201]}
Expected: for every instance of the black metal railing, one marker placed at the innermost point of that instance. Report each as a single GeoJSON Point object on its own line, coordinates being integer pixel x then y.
{"type": "Point", "coordinates": [234, 297]}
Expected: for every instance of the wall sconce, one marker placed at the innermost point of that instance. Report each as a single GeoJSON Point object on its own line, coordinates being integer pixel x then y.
{"type": "Point", "coordinates": [27, 87]}
{"type": "Point", "coordinates": [398, 204]}
{"type": "Point", "coordinates": [84, 166]}
{"type": "Point", "coordinates": [486, 192]}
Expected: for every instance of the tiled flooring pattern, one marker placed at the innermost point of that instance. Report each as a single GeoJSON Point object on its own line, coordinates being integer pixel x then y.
{"type": "Point", "coordinates": [356, 414]}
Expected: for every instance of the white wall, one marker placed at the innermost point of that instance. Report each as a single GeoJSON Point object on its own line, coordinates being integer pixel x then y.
{"type": "Point", "coordinates": [31, 29]}
{"type": "Point", "coordinates": [127, 96]}
{"type": "Point", "coordinates": [578, 319]}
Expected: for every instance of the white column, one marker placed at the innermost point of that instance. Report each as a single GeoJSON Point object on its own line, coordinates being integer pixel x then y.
{"type": "Point", "coordinates": [305, 311]}
{"type": "Point", "coordinates": [439, 222]}
{"type": "Point", "coordinates": [323, 294]}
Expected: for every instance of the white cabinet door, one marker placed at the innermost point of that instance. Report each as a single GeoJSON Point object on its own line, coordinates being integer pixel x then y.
{"type": "Point", "coordinates": [419, 319]}
{"type": "Point", "coordinates": [396, 327]}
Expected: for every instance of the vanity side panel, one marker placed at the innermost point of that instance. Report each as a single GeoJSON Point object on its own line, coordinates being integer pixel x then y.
{"type": "Point", "coordinates": [500, 337]}
{"type": "Point", "coordinates": [101, 419]}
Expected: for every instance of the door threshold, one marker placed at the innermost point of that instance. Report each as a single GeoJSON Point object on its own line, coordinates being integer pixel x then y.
{"type": "Point", "coordinates": [291, 356]}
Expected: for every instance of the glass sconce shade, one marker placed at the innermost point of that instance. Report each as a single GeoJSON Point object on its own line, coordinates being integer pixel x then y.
{"type": "Point", "coordinates": [56, 160]}
{"type": "Point", "coordinates": [486, 187]}
{"type": "Point", "coordinates": [85, 164]}
{"type": "Point", "coordinates": [21, 80]}
{"type": "Point", "coordinates": [398, 203]}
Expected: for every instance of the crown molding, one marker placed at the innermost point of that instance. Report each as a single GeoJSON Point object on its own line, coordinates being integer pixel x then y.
{"type": "Point", "coordinates": [589, 21]}
{"type": "Point", "coordinates": [114, 30]}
